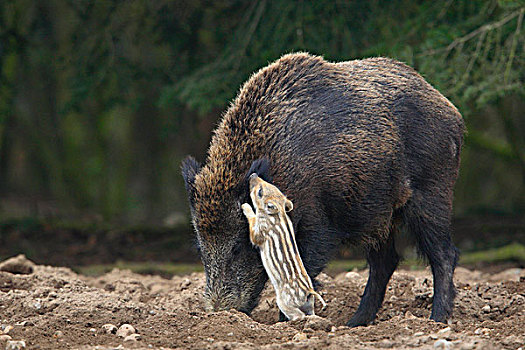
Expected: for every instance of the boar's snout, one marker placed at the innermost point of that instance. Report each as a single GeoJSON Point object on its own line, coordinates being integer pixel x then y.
{"type": "Point", "coordinates": [220, 298]}
{"type": "Point", "coordinates": [217, 301]}
{"type": "Point", "coordinates": [236, 285]}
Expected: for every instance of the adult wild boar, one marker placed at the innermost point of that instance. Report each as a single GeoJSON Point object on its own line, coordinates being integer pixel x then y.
{"type": "Point", "coordinates": [362, 148]}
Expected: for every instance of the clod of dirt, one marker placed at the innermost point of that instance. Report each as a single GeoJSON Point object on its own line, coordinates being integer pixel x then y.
{"type": "Point", "coordinates": [15, 345]}
{"type": "Point", "coordinates": [125, 330]}
{"type": "Point", "coordinates": [318, 323]}
{"type": "Point", "coordinates": [58, 334]}
{"type": "Point", "coordinates": [18, 265]}
{"type": "Point", "coordinates": [109, 328]}
{"type": "Point", "coordinates": [300, 337]}
{"type": "Point", "coordinates": [508, 275]}
{"type": "Point", "coordinates": [133, 337]}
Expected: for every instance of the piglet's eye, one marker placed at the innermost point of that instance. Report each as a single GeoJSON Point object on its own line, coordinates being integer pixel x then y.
{"type": "Point", "coordinates": [271, 206]}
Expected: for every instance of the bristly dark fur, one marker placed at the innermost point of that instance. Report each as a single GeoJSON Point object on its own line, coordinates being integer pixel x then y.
{"type": "Point", "coordinates": [189, 167]}
{"type": "Point", "coordinates": [357, 146]}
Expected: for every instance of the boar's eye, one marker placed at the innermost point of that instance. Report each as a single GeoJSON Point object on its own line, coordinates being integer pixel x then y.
{"type": "Point", "coordinates": [271, 206]}
{"type": "Point", "coordinates": [259, 193]}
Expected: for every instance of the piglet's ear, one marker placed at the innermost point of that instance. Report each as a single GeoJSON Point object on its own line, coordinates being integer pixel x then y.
{"type": "Point", "coordinates": [288, 205]}
{"type": "Point", "coordinates": [261, 167]}
{"type": "Point", "coordinates": [190, 168]}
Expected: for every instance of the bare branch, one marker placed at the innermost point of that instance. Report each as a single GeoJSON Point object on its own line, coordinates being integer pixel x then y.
{"type": "Point", "coordinates": [483, 29]}
{"type": "Point", "coordinates": [513, 47]}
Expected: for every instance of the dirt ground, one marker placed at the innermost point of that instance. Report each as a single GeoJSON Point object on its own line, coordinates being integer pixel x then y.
{"type": "Point", "coordinates": [54, 308]}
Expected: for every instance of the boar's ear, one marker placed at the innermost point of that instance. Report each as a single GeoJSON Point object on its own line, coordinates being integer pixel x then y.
{"type": "Point", "coordinates": [261, 167]}
{"type": "Point", "coordinates": [190, 168]}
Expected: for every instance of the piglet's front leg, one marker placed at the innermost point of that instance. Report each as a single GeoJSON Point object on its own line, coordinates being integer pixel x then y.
{"type": "Point", "coordinates": [255, 236]}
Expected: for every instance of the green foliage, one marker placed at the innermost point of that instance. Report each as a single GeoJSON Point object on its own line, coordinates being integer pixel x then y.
{"type": "Point", "coordinates": [514, 252]}
{"type": "Point", "coordinates": [511, 253]}
{"type": "Point", "coordinates": [100, 100]}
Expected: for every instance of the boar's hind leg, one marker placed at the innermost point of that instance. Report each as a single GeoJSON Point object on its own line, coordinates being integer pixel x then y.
{"type": "Point", "coordinates": [428, 218]}
{"type": "Point", "coordinates": [382, 263]}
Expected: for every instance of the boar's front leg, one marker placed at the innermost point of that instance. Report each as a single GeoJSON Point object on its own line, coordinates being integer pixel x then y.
{"type": "Point", "coordinates": [382, 263]}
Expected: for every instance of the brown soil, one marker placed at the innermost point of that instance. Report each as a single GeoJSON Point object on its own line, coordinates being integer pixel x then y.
{"type": "Point", "coordinates": [55, 308]}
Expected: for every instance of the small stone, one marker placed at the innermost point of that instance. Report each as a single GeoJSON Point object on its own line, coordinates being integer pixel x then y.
{"type": "Point", "coordinates": [300, 337]}
{"type": "Point", "coordinates": [109, 328]}
{"type": "Point", "coordinates": [15, 345]}
{"type": "Point", "coordinates": [418, 334]}
{"type": "Point", "coordinates": [230, 334]}
{"type": "Point", "coordinates": [152, 312]}
{"type": "Point", "coordinates": [93, 330]}
{"type": "Point", "coordinates": [482, 331]}
{"type": "Point", "coordinates": [125, 330]}
{"type": "Point", "coordinates": [25, 323]}
{"type": "Point", "coordinates": [409, 315]}
{"type": "Point", "coordinates": [58, 334]}
{"type": "Point", "coordinates": [185, 284]}
{"type": "Point", "coordinates": [5, 337]}
{"type": "Point", "coordinates": [133, 337]}
{"type": "Point", "coordinates": [444, 330]}
{"type": "Point", "coordinates": [486, 309]}
{"type": "Point", "coordinates": [442, 344]}
{"type": "Point", "coordinates": [5, 328]}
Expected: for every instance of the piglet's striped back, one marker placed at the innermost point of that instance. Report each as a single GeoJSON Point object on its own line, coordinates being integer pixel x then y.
{"type": "Point", "coordinates": [272, 231]}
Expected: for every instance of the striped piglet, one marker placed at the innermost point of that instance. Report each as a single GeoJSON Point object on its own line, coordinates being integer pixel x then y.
{"type": "Point", "coordinates": [271, 230]}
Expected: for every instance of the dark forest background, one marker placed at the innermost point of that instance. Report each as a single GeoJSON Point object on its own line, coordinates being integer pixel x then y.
{"type": "Point", "coordinates": [100, 100]}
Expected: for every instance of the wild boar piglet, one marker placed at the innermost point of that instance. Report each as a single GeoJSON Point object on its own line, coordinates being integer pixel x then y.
{"type": "Point", "coordinates": [272, 231]}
